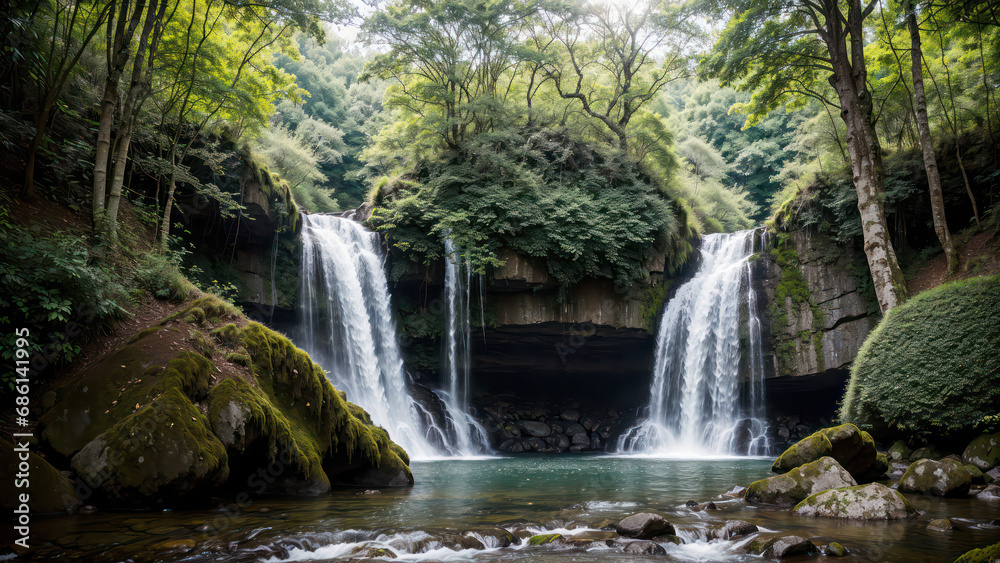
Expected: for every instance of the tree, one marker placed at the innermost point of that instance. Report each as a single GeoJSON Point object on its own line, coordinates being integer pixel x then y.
{"type": "Point", "coordinates": [607, 56]}
{"type": "Point", "coordinates": [926, 144]}
{"type": "Point", "coordinates": [780, 49]}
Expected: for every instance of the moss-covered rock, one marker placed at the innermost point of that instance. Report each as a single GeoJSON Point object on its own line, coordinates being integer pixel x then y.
{"type": "Point", "coordinates": [988, 554]}
{"type": "Point", "coordinates": [945, 478]}
{"type": "Point", "coordinates": [133, 426]}
{"type": "Point", "coordinates": [853, 448]}
{"type": "Point", "coordinates": [49, 492]}
{"type": "Point", "coordinates": [864, 502]}
{"type": "Point", "coordinates": [930, 368]}
{"type": "Point", "coordinates": [983, 452]}
{"type": "Point", "coordinates": [799, 483]}
{"type": "Point", "coordinates": [834, 549]}
{"type": "Point", "coordinates": [978, 478]}
{"type": "Point", "coordinates": [899, 451]}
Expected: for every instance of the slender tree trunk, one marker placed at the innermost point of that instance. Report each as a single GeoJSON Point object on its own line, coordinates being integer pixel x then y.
{"type": "Point", "coordinates": [171, 186]}
{"type": "Point", "coordinates": [849, 80]}
{"type": "Point", "coordinates": [926, 144]}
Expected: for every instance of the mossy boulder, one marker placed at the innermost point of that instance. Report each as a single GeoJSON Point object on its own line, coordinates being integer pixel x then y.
{"type": "Point", "coordinates": [930, 368]}
{"type": "Point", "coordinates": [899, 451]}
{"type": "Point", "coordinates": [799, 483]}
{"type": "Point", "coordinates": [945, 478]}
{"type": "Point", "coordinates": [834, 549]}
{"type": "Point", "coordinates": [49, 492]}
{"type": "Point", "coordinates": [853, 448]}
{"type": "Point", "coordinates": [158, 420]}
{"type": "Point", "coordinates": [988, 554]}
{"type": "Point", "coordinates": [983, 452]}
{"type": "Point", "coordinates": [864, 502]}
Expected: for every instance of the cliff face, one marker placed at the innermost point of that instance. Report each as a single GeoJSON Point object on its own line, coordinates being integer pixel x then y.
{"type": "Point", "coordinates": [819, 313]}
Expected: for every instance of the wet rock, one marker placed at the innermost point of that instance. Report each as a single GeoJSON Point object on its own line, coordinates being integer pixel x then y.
{"type": "Point", "coordinates": [557, 428]}
{"type": "Point", "coordinates": [945, 478]}
{"type": "Point", "coordinates": [577, 449]}
{"type": "Point", "coordinates": [668, 538]}
{"type": "Point", "coordinates": [926, 452]}
{"type": "Point", "coordinates": [977, 476]}
{"type": "Point", "coordinates": [992, 475]}
{"type": "Point", "coordinates": [983, 452]}
{"type": "Point", "coordinates": [644, 526]}
{"type": "Point", "coordinates": [691, 503]}
{"type": "Point", "coordinates": [513, 430]}
{"type": "Point", "coordinates": [595, 442]}
{"type": "Point", "coordinates": [174, 545]}
{"type": "Point", "coordinates": [789, 546]}
{"type": "Point", "coordinates": [581, 439]}
{"type": "Point", "coordinates": [570, 415]}
{"type": "Point", "coordinates": [379, 553]}
{"type": "Point", "coordinates": [734, 529]}
{"type": "Point", "coordinates": [51, 492]}
{"type": "Point", "coordinates": [853, 448]}
{"type": "Point", "coordinates": [834, 549]}
{"type": "Point", "coordinates": [493, 536]}
{"type": "Point", "coordinates": [536, 444]}
{"type": "Point", "coordinates": [864, 502]}
{"type": "Point", "coordinates": [799, 483]}
{"type": "Point", "coordinates": [941, 525]}
{"type": "Point", "coordinates": [516, 448]}
{"type": "Point", "coordinates": [708, 506]}
{"type": "Point", "coordinates": [991, 492]}
{"type": "Point", "coordinates": [561, 442]}
{"type": "Point", "coordinates": [899, 451]}
{"type": "Point", "coordinates": [543, 539]}
{"type": "Point", "coordinates": [536, 429]}
{"type": "Point", "coordinates": [987, 554]}
{"type": "Point", "coordinates": [574, 429]}
{"type": "Point", "coordinates": [644, 548]}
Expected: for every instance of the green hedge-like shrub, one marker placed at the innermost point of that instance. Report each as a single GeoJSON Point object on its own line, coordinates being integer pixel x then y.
{"type": "Point", "coordinates": [932, 366]}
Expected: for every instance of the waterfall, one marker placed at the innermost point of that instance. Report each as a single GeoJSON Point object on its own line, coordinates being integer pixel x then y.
{"type": "Point", "coordinates": [348, 328]}
{"type": "Point", "coordinates": [457, 352]}
{"type": "Point", "coordinates": [707, 393]}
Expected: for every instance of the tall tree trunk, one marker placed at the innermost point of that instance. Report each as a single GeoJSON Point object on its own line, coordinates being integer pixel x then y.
{"type": "Point", "coordinates": [923, 128]}
{"type": "Point", "coordinates": [139, 86]}
{"type": "Point", "coordinates": [165, 224]}
{"type": "Point", "coordinates": [849, 80]}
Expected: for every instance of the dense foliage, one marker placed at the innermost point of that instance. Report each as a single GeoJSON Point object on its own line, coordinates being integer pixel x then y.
{"type": "Point", "coordinates": [930, 368]}
{"type": "Point", "coordinates": [586, 213]}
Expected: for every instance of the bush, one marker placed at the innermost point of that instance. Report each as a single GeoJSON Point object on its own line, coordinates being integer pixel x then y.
{"type": "Point", "coordinates": [49, 285]}
{"type": "Point", "coordinates": [930, 369]}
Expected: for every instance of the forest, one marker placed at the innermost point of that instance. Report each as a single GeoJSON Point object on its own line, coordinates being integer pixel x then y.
{"type": "Point", "coordinates": [365, 239]}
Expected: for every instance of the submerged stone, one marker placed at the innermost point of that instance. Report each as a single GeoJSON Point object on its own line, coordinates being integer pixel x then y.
{"type": "Point", "coordinates": [644, 547]}
{"type": "Point", "coordinates": [644, 526]}
{"type": "Point", "coordinates": [941, 525]}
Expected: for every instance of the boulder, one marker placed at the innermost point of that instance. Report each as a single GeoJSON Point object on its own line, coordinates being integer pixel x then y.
{"type": "Point", "coordinates": [535, 429]}
{"type": "Point", "coordinates": [834, 549]}
{"type": "Point", "coordinates": [561, 442]}
{"type": "Point", "coordinates": [790, 546]}
{"type": "Point", "coordinates": [941, 525]}
{"type": "Point", "coordinates": [989, 554]}
{"type": "Point", "coordinates": [644, 526]}
{"type": "Point", "coordinates": [644, 547]}
{"type": "Point", "coordinates": [799, 483]}
{"type": "Point", "coordinates": [945, 478]}
{"type": "Point", "coordinates": [581, 439]}
{"type": "Point", "coordinates": [899, 451]}
{"type": "Point", "coordinates": [992, 475]}
{"type": "Point", "coordinates": [492, 537]}
{"type": "Point", "coordinates": [574, 429]}
{"type": "Point", "coordinates": [864, 502]}
{"type": "Point", "coordinates": [734, 529]}
{"type": "Point", "coordinates": [877, 470]}
{"type": "Point", "coordinates": [50, 491]}
{"type": "Point", "coordinates": [991, 492]}
{"type": "Point", "coordinates": [853, 448]}
{"type": "Point", "coordinates": [925, 452]}
{"type": "Point", "coordinates": [983, 452]}
{"type": "Point", "coordinates": [977, 475]}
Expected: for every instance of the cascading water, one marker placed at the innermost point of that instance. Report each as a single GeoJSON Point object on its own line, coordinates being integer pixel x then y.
{"type": "Point", "coordinates": [456, 356]}
{"type": "Point", "coordinates": [347, 327]}
{"type": "Point", "coordinates": [698, 403]}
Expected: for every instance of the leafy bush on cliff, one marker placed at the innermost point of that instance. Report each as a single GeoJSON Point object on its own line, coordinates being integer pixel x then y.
{"type": "Point", "coordinates": [587, 213]}
{"type": "Point", "coordinates": [931, 368]}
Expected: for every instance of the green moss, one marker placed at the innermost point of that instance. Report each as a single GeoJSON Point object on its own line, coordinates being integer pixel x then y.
{"type": "Point", "coordinates": [202, 344]}
{"type": "Point", "coordinates": [652, 302]}
{"type": "Point", "coordinates": [930, 368]}
{"type": "Point", "coordinates": [228, 334]}
{"type": "Point", "coordinates": [982, 555]}
{"type": "Point", "coordinates": [239, 358]}
{"type": "Point", "coordinates": [144, 333]}
{"type": "Point", "coordinates": [543, 539]}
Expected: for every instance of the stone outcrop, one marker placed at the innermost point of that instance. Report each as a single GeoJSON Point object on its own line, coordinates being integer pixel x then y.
{"type": "Point", "coordinates": [853, 448]}
{"type": "Point", "coordinates": [202, 403]}
{"type": "Point", "coordinates": [819, 317]}
{"type": "Point", "coordinates": [983, 452]}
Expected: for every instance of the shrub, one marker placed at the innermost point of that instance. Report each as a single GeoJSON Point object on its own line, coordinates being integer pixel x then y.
{"type": "Point", "coordinates": [931, 369]}
{"type": "Point", "coordinates": [50, 285]}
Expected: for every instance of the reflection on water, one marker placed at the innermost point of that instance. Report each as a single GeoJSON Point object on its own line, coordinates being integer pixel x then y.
{"type": "Point", "coordinates": [452, 497]}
